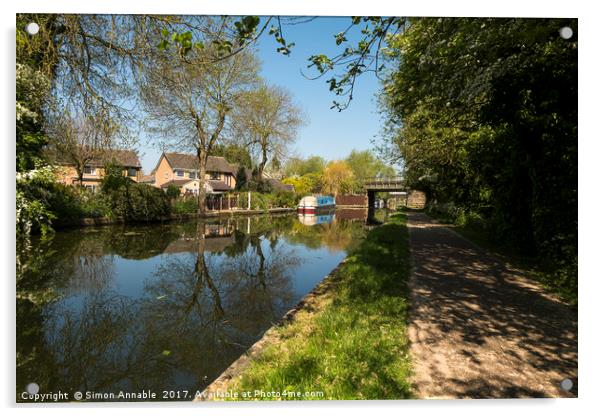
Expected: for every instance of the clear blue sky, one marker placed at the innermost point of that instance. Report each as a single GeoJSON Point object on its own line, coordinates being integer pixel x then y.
{"type": "Point", "coordinates": [328, 133]}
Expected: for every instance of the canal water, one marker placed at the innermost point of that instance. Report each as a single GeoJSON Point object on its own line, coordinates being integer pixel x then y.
{"type": "Point", "coordinates": [164, 308]}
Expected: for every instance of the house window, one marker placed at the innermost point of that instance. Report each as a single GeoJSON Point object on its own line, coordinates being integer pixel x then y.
{"type": "Point", "coordinates": [89, 170]}
{"type": "Point", "coordinates": [132, 172]}
{"type": "Point", "coordinates": [214, 175]}
{"type": "Point", "coordinates": [192, 175]}
{"type": "Point", "coordinates": [179, 173]}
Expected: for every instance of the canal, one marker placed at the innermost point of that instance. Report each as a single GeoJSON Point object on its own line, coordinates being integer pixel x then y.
{"type": "Point", "coordinates": [164, 307]}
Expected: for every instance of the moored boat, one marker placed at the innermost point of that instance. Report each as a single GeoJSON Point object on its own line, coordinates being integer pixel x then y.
{"type": "Point", "coordinates": [316, 204]}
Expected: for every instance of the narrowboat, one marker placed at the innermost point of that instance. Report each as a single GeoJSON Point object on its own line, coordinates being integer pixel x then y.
{"type": "Point", "coordinates": [316, 204]}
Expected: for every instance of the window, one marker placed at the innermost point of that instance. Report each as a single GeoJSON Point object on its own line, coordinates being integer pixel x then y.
{"type": "Point", "coordinates": [214, 175]}
{"type": "Point", "coordinates": [179, 173]}
{"type": "Point", "coordinates": [132, 172]}
{"type": "Point", "coordinates": [192, 175]}
{"type": "Point", "coordinates": [89, 170]}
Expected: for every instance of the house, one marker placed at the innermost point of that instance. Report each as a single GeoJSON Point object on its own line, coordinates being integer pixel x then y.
{"type": "Point", "coordinates": [277, 185]}
{"type": "Point", "coordinates": [181, 170]}
{"type": "Point", "coordinates": [94, 170]}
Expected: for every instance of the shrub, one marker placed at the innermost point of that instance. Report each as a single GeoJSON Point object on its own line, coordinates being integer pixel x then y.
{"type": "Point", "coordinates": [172, 192]}
{"type": "Point", "coordinates": [185, 205]}
{"type": "Point", "coordinates": [138, 202]}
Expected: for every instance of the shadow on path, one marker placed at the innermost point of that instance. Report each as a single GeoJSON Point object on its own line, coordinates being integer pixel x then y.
{"type": "Point", "coordinates": [480, 328]}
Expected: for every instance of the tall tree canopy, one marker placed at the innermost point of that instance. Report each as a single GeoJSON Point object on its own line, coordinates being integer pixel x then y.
{"type": "Point", "coordinates": [483, 112]}
{"type": "Point", "coordinates": [191, 99]}
{"type": "Point", "coordinates": [365, 165]}
{"type": "Point", "coordinates": [267, 120]}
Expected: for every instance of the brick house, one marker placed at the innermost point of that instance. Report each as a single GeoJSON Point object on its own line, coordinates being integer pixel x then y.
{"type": "Point", "coordinates": [94, 170]}
{"type": "Point", "coordinates": [181, 170]}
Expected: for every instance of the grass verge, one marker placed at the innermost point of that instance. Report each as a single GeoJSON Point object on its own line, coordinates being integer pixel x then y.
{"type": "Point", "coordinates": [354, 346]}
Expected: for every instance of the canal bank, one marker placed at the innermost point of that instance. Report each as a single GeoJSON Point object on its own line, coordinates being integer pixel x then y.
{"type": "Point", "coordinates": [86, 222]}
{"type": "Point", "coordinates": [345, 340]}
{"type": "Point", "coordinates": [166, 306]}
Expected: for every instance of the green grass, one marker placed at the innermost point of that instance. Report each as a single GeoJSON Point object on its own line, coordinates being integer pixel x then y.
{"type": "Point", "coordinates": [355, 345]}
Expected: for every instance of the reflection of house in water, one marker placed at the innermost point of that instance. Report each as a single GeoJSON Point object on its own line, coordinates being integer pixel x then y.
{"type": "Point", "coordinates": [312, 219]}
{"type": "Point", "coordinates": [218, 236]}
{"type": "Point", "coordinates": [352, 214]}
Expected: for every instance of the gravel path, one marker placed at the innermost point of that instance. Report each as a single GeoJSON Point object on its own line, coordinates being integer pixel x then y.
{"type": "Point", "coordinates": [481, 329]}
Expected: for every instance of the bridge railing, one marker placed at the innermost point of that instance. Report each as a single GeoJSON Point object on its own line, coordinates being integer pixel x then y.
{"type": "Point", "coordinates": [384, 182]}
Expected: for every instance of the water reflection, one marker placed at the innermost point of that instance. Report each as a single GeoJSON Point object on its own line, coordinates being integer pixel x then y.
{"type": "Point", "coordinates": [165, 306]}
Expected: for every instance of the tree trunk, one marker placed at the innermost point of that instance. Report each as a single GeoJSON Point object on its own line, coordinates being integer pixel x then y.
{"type": "Point", "coordinates": [202, 157]}
{"type": "Point", "coordinates": [264, 159]}
{"type": "Point", "coordinates": [80, 175]}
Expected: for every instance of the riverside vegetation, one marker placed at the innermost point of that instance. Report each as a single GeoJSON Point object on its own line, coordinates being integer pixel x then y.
{"type": "Point", "coordinates": [354, 345]}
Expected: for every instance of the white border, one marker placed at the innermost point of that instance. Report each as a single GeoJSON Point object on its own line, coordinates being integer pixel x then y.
{"type": "Point", "coordinates": [589, 198]}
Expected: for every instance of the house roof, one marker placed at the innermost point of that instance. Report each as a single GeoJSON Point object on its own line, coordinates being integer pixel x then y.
{"type": "Point", "coordinates": [279, 186]}
{"type": "Point", "coordinates": [190, 162]}
{"type": "Point", "coordinates": [177, 182]}
{"type": "Point", "coordinates": [147, 179]}
{"type": "Point", "coordinates": [219, 185]}
{"type": "Point", "coordinates": [123, 157]}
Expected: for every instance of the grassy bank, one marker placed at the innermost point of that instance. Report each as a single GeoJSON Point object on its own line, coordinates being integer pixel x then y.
{"type": "Point", "coordinates": [354, 345]}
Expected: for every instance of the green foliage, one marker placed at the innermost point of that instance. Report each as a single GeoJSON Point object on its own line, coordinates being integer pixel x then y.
{"type": "Point", "coordinates": [32, 89]}
{"type": "Point", "coordinates": [300, 167]}
{"type": "Point", "coordinates": [41, 201]}
{"type": "Point", "coordinates": [255, 184]}
{"type": "Point", "coordinates": [484, 114]}
{"type": "Point", "coordinates": [172, 192]}
{"type": "Point", "coordinates": [356, 346]}
{"type": "Point", "coordinates": [185, 204]}
{"type": "Point", "coordinates": [241, 178]}
{"type": "Point", "coordinates": [306, 184]}
{"type": "Point", "coordinates": [234, 153]}
{"type": "Point", "coordinates": [133, 201]}
{"type": "Point", "coordinates": [276, 199]}
{"type": "Point", "coordinates": [365, 165]}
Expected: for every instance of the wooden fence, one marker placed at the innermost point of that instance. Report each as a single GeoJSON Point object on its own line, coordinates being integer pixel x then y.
{"type": "Point", "coordinates": [352, 200]}
{"type": "Point", "coordinates": [221, 202]}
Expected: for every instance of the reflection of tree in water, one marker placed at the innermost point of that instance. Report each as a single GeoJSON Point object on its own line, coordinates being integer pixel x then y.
{"type": "Point", "coordinates": [94, 346]}
{"type": "Point", "coordinates": [338, 235]}
{"type": "Point", "coordinates": [206, 308]}
{"type": "Point", "coordinates": [205, 305]}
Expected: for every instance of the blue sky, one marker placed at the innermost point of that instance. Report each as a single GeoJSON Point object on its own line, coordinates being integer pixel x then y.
{"type": "Point", "coordinates": [328, 133]}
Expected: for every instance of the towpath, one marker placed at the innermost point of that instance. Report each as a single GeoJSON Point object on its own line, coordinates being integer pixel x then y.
{"type": "Point", "coordinates": [481, 329]}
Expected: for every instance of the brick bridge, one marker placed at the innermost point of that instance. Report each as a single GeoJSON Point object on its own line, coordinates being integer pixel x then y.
{"type": "Point", "coordinates": [415, 199]}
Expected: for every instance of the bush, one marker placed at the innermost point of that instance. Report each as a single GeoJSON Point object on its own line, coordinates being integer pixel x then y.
{"type": "Point", "coordinates": [172, 192]}
{"type": "Point", "coordinates": [41, 201]}
{"type": "Point", "coordinates": [185, 205]}
{"type": "Point", "coordinates": [278, 199]}
{"type": "Point", "coordinates": [139, 202]}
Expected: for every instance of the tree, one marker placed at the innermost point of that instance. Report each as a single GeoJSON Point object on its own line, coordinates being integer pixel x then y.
{"type": "Point", "coordinates": [78, 140]}
{"type": "Point", "coordinates": [337, 178]}
{"type": "Point", "coordinates": [234, 153]}
{"type": "Point", "coordinates": [268, 119]}
{"type": "Point", "coordinates": [483, 113]}
{"type": "Point", "coordinates": [300, 166]}
{"type": "Point", "coordinates": [306, 184]}
{"type": "Point", "coordinates": [190, 99]}
{"type": "Point", "coordinates": [32, 91]}
{"type": "Point", "coordinates": [241, 178]}
{"type": "Point", "coordinates": [365, 165]}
